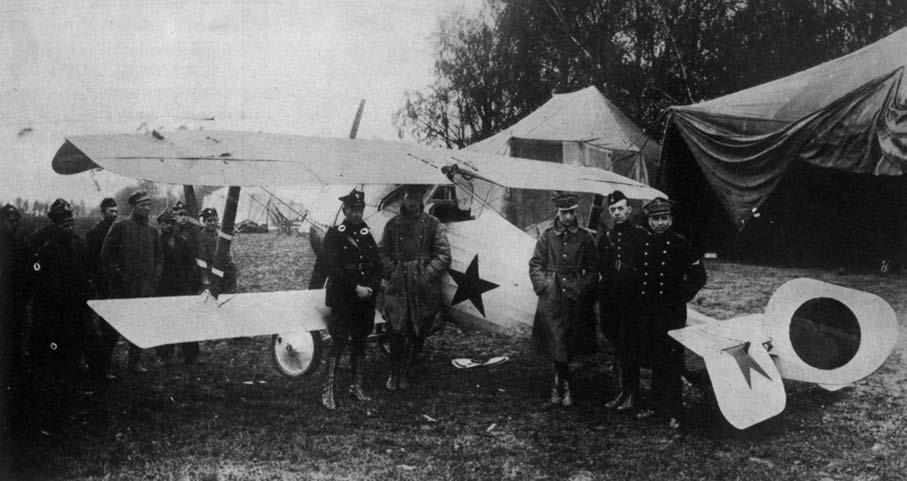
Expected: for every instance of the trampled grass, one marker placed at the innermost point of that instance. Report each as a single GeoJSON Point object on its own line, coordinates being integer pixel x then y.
{"type": "Point", "coordinates": [233, 417]}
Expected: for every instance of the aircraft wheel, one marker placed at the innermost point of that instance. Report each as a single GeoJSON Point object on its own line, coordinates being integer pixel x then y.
{"type": "Point", "coordinates": [296, 353]}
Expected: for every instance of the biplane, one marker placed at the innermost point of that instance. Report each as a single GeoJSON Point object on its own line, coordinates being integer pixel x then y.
{"type": "Point", "coordinates": [487, 283]}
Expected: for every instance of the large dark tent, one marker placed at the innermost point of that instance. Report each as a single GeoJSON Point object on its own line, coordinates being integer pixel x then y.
{"type": "Point", "coordinates": [807, 168]}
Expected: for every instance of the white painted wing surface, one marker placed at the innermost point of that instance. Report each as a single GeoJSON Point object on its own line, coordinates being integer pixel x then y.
{"type": "Point", "coordinates": [263, 159]}
{"type": "Point", "coordinates": [155, 321]}
{"type": "Point", "coordinates": [252, 159]}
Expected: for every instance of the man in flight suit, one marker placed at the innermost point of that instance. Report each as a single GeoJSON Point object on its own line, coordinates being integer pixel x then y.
{"type": "Point", "coordinates": [672, 273]}
{"type": "Point", "coordinates": [354, 275]}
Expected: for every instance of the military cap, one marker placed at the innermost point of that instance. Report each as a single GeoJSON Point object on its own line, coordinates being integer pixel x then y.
{"type": "Point", "coordinates": [166, 216]}
{"type": "Point", "coordinates": [139, 196]}
{"type": "Point", "coordinates": [60, 211]}
{"type": "Point", "coordinates": [108, 202]}
{"type": "Point", "coordinates": [615, 197]}
{"type": "Point", "coordinates": [355, 198]}
{"type": "Point", "coordinates": [658, 205]}
{"type": "Point", "coordinates": [9, 212]}
{"type": "Point", "coordinates": [207, 213]}
{"type": "Point", "coordinates": [179, 207]}
{"type": "Point", "coordinates": [565, 201]}
{"type": "Point", "coordinates": [414, 189]}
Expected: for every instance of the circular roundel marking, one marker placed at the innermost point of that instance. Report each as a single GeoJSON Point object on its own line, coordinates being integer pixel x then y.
{"type": "Point", "coordinates": [363, 231]}
{"type": "Point", "coordinates": [341, 228]}
{"type": "Point", "coordinates": [825, 333]}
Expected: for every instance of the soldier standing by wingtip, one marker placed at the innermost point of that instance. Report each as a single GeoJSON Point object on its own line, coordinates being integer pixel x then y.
{"type": "Point", "coordinates": [672, 274]}
{"type": "Point", "coordinates": [354, 275]}
{"type": "Point", "coordinates": [133, 261]}
{"type": "Point", "coordinates": [563, 270]}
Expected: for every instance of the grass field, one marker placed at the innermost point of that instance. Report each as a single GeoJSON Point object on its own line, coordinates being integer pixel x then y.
{"type": "Point", "coordinates": [233, 418]}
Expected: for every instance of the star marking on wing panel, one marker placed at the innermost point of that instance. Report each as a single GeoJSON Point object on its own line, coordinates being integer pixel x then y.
{"type": "Point", "coordinates": [470, 286]}
{"type": "Point", "coordinates": [746, 362]}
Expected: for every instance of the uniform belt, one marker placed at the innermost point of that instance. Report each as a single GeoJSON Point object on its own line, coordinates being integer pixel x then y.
{"type": "Point", "coordinates": [358, 267]}
{"type": "Point", "coordinates": [567, 270]}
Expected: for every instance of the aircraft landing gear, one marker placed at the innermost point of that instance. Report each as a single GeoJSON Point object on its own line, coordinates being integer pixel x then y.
{"type": "Point", "coordinates": [297, 353]}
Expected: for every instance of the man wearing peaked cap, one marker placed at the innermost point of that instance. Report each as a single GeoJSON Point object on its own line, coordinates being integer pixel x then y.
{"type": "Point", "coordinates": [59, 290]}
{"type": "Point", "coordinates": [13, 300]}
{"type": "Point", "coordinates": [133, 261]}
{"type": "Point", "coordinates": [177, 276]}
{"type": "Point", "coordinates": [106, 336]}
{"type": "Point", "coordinates": [619, 266]}
{"type": "Point", "coordinates": [563, 270]}
{"type": "Point", "coordinates": [353, 268]}
{"type": "Point", "coordinates": [672, 274]}
{"type": "Point", "coordinates": [60, 213]}
{"type": "Point", "coordinates": [140, 196]}
{"type": "Point", "coordinates": [207, 246]}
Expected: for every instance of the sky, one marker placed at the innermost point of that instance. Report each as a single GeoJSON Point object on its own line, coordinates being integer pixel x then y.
{"type": "Point", "coordinates": [112, 66]}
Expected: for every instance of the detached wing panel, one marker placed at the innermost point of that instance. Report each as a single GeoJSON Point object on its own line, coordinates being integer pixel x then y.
{"type": "Point", "coordinates": [154, 321]}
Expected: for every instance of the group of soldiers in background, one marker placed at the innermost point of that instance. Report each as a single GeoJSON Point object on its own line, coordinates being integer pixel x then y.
{"type": "Point", "coordinates": [642, 278]}
{"type": "Point", "coordinates": [405, 267]}
{"type": "Point", "coordinates": [56, 272]}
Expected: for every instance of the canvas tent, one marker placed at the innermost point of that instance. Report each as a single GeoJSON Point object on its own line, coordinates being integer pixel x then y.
{"type": "Point", "coordinates": [581, 128]}
{"type": "Point", "coordinates": [807, 165]}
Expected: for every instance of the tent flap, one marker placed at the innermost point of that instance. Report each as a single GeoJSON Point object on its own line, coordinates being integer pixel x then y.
{"type": "Point", "coordinates": [744, 159]}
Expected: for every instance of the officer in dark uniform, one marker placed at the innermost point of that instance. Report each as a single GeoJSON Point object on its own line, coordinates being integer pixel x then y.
{"type": "Point", "coordinates": [207, 246]}
{"type": "Point", "coordinates": [563, 270]}
{"type": "Point", "coordinates": [105, 337]}
{"type": "Point", "coordinates": [672, 274]}
{"type": "Point", "coordinates": [178, 275]}
{"type": "Point", "coordinates": [13, 297]}
{"type": "Point", "coordinates": [354, 274]}
{"type": "Point", "coordinates": [60, 290]}
{"type": "Point", "coordinates": [620, 264]}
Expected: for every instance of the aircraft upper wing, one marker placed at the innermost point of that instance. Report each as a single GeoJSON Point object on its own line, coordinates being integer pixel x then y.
{"type": "Point", "coordinates": [261, 159]}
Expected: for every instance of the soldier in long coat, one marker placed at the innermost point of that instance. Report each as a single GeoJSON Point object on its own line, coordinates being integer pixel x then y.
{"type": "Point", "coordinates": [133, 260]}
{"type": "Point", "coordinates": [672, 274]}
{"type": "Point", "coordinates": [563, 270]}
{"type": "Point", "coordinates": [60, 289]}
{"type": "Point", "coordinates": [105, 337]}
{"type": "Point", "coordinates": [13, 296]}
{"type": "Point", "coordinates": [620, 267]}
{"type": "Point", "coordinates": [354, 276]}
{"type": "Point", "coordinates": [178, 275]}
{"type": "Point", "coordinates": [414, 255]}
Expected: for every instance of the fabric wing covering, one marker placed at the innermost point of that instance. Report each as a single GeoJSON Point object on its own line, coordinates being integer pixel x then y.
{"type": "Point", "coordinates": [848, 114]}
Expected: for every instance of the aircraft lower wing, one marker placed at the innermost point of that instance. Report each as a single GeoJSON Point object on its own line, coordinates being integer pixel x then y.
{"type": "Point", "coordinates": [746, 382]}
{"type": "Point", "coordinates": [154, 321]}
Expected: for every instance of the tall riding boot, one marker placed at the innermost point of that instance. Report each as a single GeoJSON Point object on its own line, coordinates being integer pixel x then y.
{"type": "Point", "coordinates": [393, 376]}
{"type": "Point", "coordinates": [406, 369]}
{"type": "Point", "coordinates": [327, 396]}
{"type": "Point", "coordinates": [567, 399]}
{"type": "Point", "coordinates": [356, 379]}
{"type": "Point", "coordinates": [621, 396]}
{"type": "Point", "coordinates": [555, 391]}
